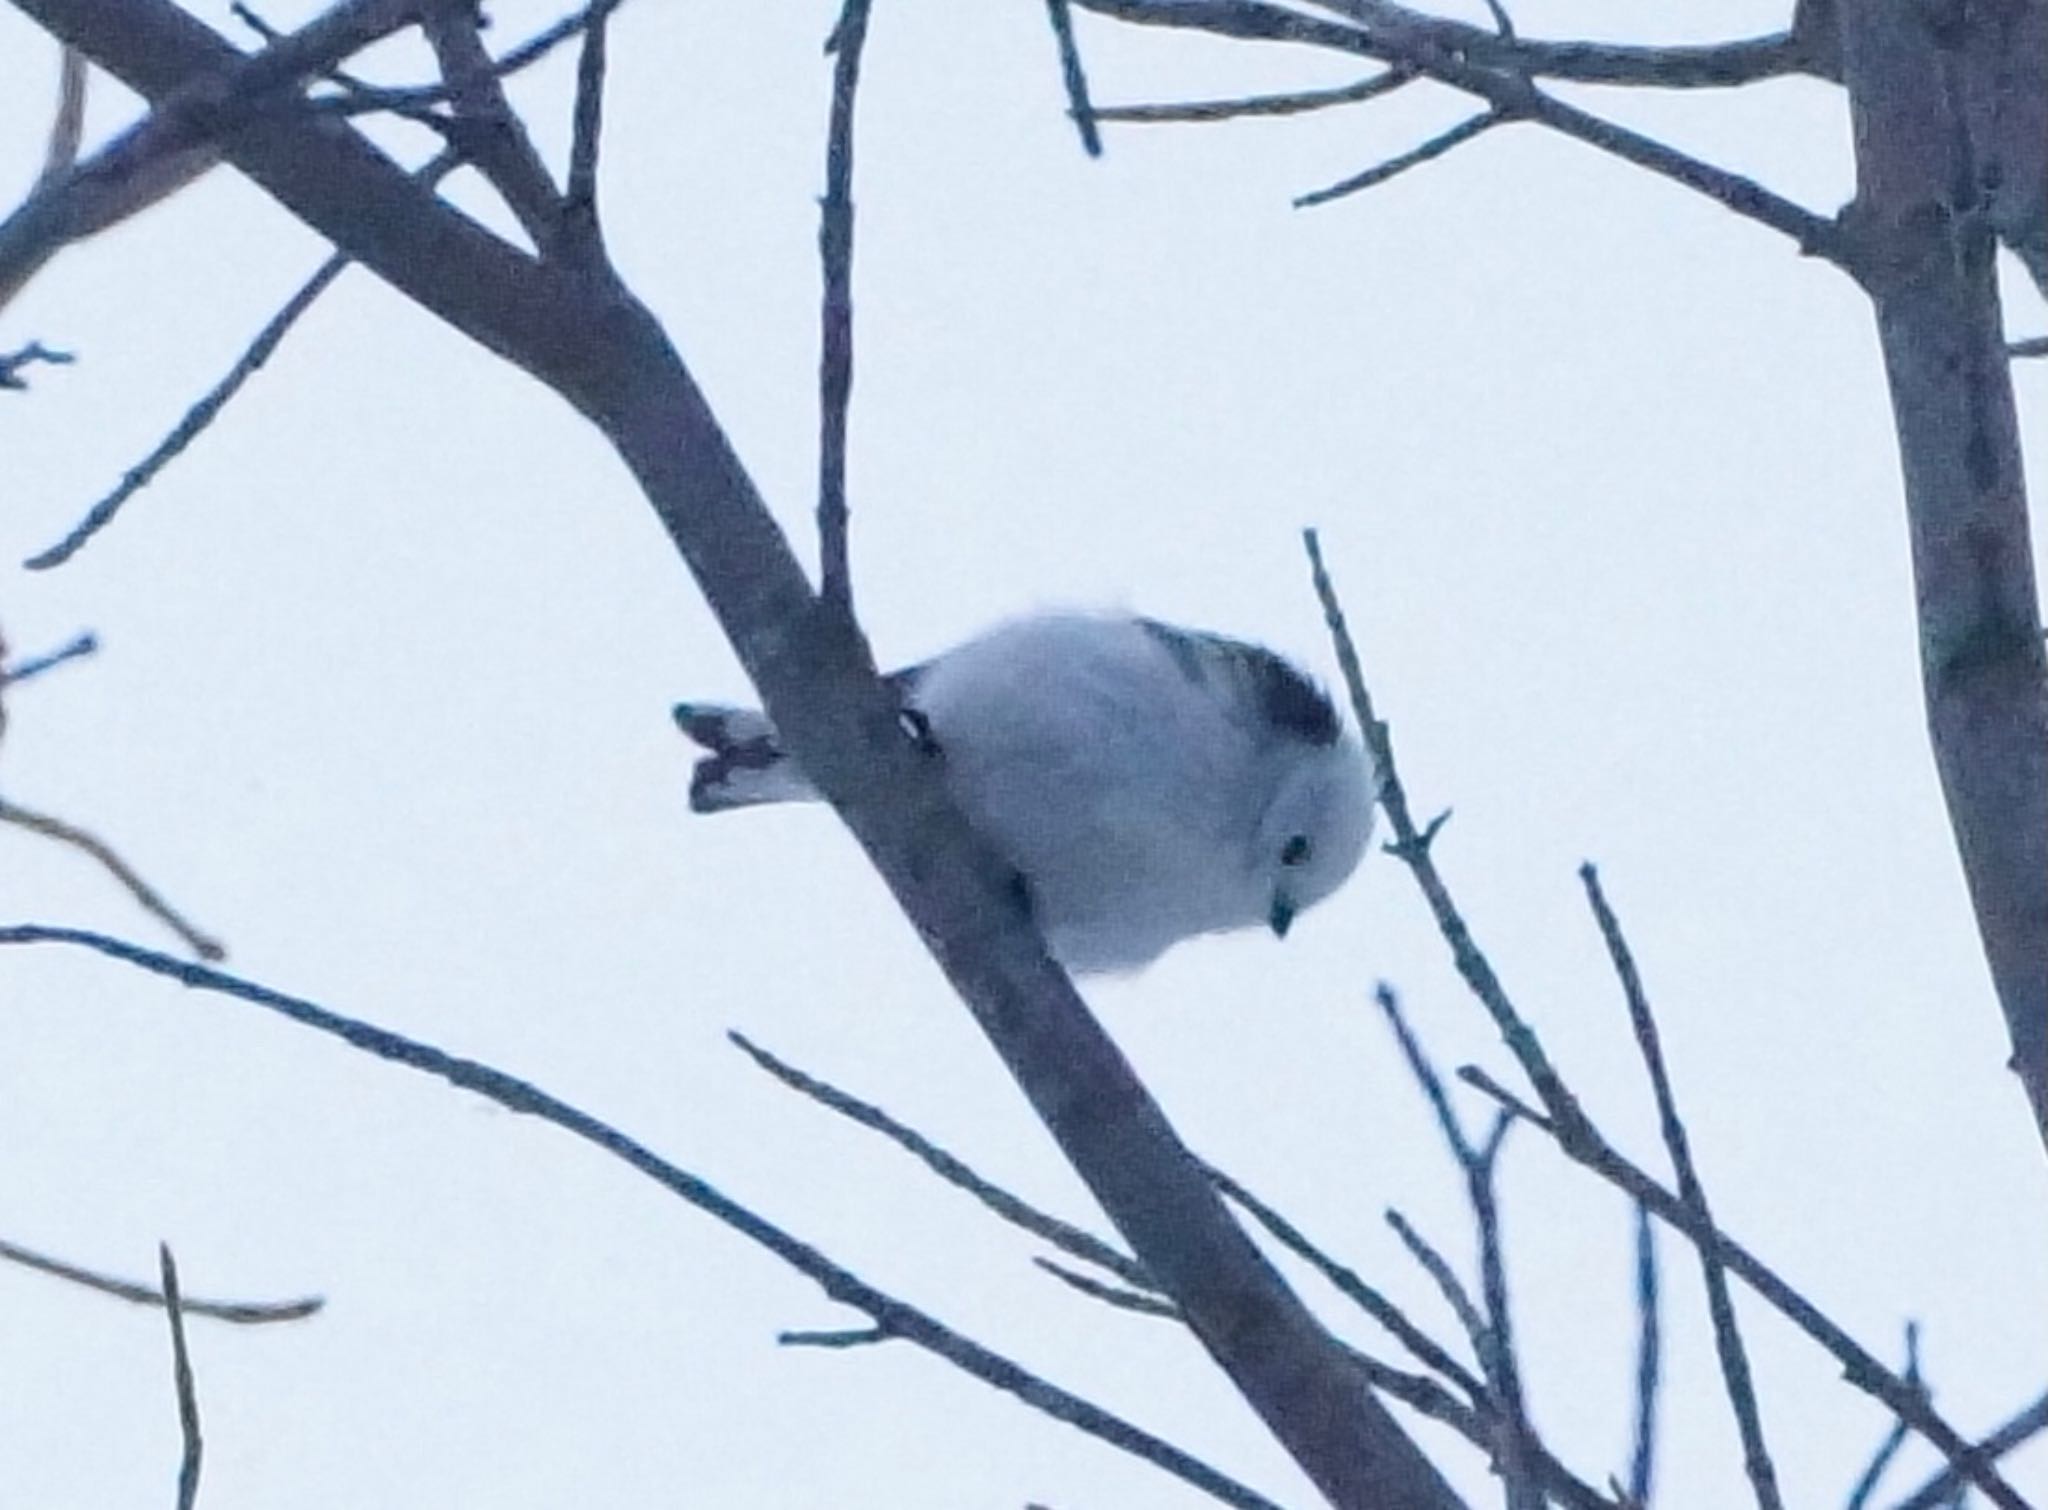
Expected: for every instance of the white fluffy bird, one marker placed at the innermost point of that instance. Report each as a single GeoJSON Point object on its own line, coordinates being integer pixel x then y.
{"type": "Point", "coordinates": [1149, 783]}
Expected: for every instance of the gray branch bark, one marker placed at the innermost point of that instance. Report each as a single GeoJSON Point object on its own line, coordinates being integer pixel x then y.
{"type": "Point", "coordinates": [1924, 232]}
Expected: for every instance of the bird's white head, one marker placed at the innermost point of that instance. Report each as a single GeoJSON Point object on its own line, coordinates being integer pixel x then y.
{"type": "Point", "coordinates": [1314, 831]}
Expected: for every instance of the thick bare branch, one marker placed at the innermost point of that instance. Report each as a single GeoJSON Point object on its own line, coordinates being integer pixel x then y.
{"type": "Point", "coordinates": [1924, 251]}
{"type": "Point", "coordinates": [593, 343]}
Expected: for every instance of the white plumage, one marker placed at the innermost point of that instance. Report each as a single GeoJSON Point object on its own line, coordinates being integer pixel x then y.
{"type": "Point", "coordinates": [1149, 783]}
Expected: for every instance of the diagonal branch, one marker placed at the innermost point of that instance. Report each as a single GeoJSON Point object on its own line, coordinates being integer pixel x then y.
{"type": "Point", "coordinates": [593, 343]}
{"type": "Point", "coordinates": [241, 1312]}
{"type": "Point", "coordinates": [1077, 1241]}
{"type": "Point", "coordinates": [495, 138]}
{"type": "Point", "coordinates": [1297, 102]}
{"type": "Point", "coordinates": [835, 318]}
{"type": "Point", "coordinates": [1567, 1124]}
{"type": "Point", "coordinates": [892, 1316]}
{"type": "Point", "coordinates": [1414, 157]}
{"type": "Point", "coordinates": [146, 896]}
{"type": "Point", "coordinates": [1735, 1372]}
{"type": "Point", "coordinates": [1508, 89]}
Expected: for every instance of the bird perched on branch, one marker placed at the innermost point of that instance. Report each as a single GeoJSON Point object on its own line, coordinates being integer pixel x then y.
{"type": "Point", "coordinates": [1149, 783]}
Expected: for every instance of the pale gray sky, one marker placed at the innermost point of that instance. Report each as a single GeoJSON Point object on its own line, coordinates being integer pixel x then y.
{"type": "Point", "coordinates": [1607, 478]}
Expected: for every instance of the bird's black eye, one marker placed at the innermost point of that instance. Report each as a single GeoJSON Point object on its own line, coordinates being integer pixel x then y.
{"type": "Point", "coordinates": [1295, 851]}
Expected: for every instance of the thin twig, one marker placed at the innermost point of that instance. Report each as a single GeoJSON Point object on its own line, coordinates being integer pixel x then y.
{"type": "Point", "coordinates": [35, 351]}
{"type": "Point", "coordinates": [1415, 157]}
{"type": "Point", "coordinates": [850, 1337]}
{"type": "Point", "coordinates": [195, 420]}
{"type": "Point", "coordinates": [1073, 76]}
{"type": "Point", "coordinates": [1860, 1367]}
{"type": "Point", "coordinates": [1510, 89]}
{"type": "Point", "coordinates": [582, 232]}
{"type": "Point", "coordinates": [514, 1094]}
{"type": "Point", "coordinates": [1491, 1331]}
{"type": "Point", "coordinates": [68, 128]}
{"type": "Point", "coordinates": [1298, 102]}
{"type": "Point", "coordinates": [1566, 1122]}
{"type": "Point", "coordinates": [835, 341]}
{"type": "Point", "coordinates": [1735, 1371]}
{"type": "Point", "coordinates": [1063, 1235]}
{"type": "Point", "coordinates": [202, 414]}
{"type": "Point", "coordinates": [1423, 1348]}
{"type": "Point", "coordinates": [1642, 1465]}
{"type": "Point", "coordinates": [181, 1374]}
{"type": "Point", "coordinates": [240, 1312]}
{"type": "Point", "coordinates": [1116, 1295]}
{"type": "Point", "coordinates": [2014, 1432]}
{"type": "Point", "coordinates": [1439, 1269]}
{"type": "Point", "coordinates": [2031, 346]}
{"type": "Point", "coordinates": [1894, 1439]}
{"type": "Point", "coordinates": [21, 671]}
{"type": "Point", "coordinates": [1415, 850]}
{"type": "Point", "coordinates": [145, 894]}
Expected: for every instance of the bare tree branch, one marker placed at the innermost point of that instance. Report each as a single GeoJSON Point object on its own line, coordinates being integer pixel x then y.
{"type": "Point", "coordinates": [1298, 102]}
{"type": "Point", "coordinates": [1567, 1124]}
{"type": "Point", "coordinates": [890, 1315]}
{"type": "Point", "coordinates": [835, 342]}
{"type": "Point", "coordinates": [1142, 1302]}
{"type": "Point", "coordinates": [1508, 89]}
{"type": "Point", "coordinates": [856, 1337]}
{"type": "Point", "coordinates": [496, 139]}
{"type": "Point", "coordinates": [1717, 65]}
{"type": "Point", "coordinates": [12, 362]}
{"type": "Point", "coordinates": [15, 672]}
{"type": "Point", "coordinates": [208, 409]}
{"type": "Point", "coordinates": [1492, 1331]}
{"type": "Point", "coordinates": [146, 896]}
{"type": "Point", "coordinates": [1073, 76]}
{"type": "Point", "coordinates": [582, 231]}
{"type": "Point", "coordinates": [1352, 1287]}
{"type": "Point", "coordinates": [181, 1376]}
{"type": "Point", "coordinates": [68, 129]}
{"type": "Point", "coordinates": [1642, 1466]}
{"type": "Point", "coordinates": [1414, 157]}
{"type": "Point", "coordinates": [1077, 1241]}
{"type": "Point", "coordinates": [1943, 1486]}
{"type": "Point", "coordinates": [1894, 1439]}
{"type": "Point", "coordinates": [1735, 1371]}
{"type": "Point", "coordinates": [1925, 253]}
{"type": "Point", "coordinates": [240, 1312]}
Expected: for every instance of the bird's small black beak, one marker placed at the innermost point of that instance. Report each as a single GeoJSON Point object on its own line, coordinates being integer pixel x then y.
{"type": "Point", "coordinates": [1281, 918]}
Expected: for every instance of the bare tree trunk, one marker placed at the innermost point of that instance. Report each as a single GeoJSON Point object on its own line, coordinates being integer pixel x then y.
{"type": "Point", "coordinates": [1925, 250]}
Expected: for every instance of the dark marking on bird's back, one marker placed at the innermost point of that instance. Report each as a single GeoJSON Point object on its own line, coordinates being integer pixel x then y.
{"type": "Point", "coordinates": [1288, 702]}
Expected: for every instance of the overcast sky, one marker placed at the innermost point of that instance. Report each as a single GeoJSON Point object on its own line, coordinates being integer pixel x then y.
{"type": "Point", "coordinates": [1606, 476]}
